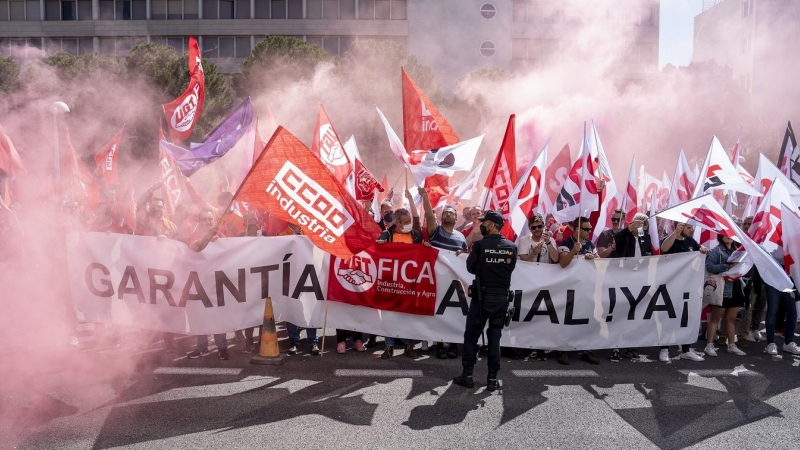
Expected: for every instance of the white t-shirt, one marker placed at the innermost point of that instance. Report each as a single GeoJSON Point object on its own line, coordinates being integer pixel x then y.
{"type": "Point", "coordinates": [525, 245]}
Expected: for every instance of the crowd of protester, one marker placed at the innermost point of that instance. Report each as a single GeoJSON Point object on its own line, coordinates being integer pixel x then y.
{"type": "Point", "coordinates": [197, 222]}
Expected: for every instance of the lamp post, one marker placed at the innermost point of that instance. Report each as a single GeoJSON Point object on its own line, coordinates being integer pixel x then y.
{"type": "Point", "coordinates": [58, 107]}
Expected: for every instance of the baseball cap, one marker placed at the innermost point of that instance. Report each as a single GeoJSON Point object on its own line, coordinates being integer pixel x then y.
{"type": "Point", "coordinates": [493, 216]}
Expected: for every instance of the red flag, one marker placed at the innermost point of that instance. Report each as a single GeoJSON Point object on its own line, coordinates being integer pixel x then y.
{"type": "Point", "coordinates": [366, 184]}
{"type": "Point", "coordinates": [525, 197]}
{"type": "Point", "coordinates": [503, 177]}
{"type": "Point", "coordinates": [630, 198]}
{"type": "Point", "coordinates": [424, 128]}
{"type": "Point", "coordinates": [10, 164]}
{"type": "Point", "coordinates": [682, 182]}
{"type": "Point", "coordinates": [10, 161]}
{"type": "Point", "coordinates": [409, 269]}
{"type": "Point", "coordinates": [652, 187]}
{"type": "Point", "coordinates": [259, 144]}
{"type": "Point", "coordinates": [80, 184]}
{"type": "Point", "coordinates": [385, 191]}
{"type": "Point", "coordinates": [327, 146]}
{"type": "Point", "coordinates": [171, 189]}
{"type": "Point", "coordinates": [105, 159]}
{"type": "Point", "coordinates": [288, 180]}
{"type": "Point", "coordinates": [555, 176]}
{"type": "Point", "coordinates": [183, 113]}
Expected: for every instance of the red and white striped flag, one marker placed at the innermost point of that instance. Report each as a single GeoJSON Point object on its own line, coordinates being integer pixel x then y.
{"type": "Point", "coordinates": [503, 175]}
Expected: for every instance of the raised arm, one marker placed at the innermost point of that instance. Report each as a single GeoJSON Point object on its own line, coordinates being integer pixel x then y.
{"type": "Point", "coordinates": [430, 217]}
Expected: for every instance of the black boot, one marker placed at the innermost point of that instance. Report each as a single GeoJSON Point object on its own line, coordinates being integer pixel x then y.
{"type": "Point", "coordinates": [491, 381]}
{"type": "Point", "coordinates": [465, 379]}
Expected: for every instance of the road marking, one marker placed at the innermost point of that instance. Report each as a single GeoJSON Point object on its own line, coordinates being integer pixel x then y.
{"type": "Point", "coordinates": [196, 371]}
{"type": "Point", "coordinates": [554, 373]}
{"type": "Point", "coordinates": [737, 372]}
{"type": "Point", "coordinates": [295, 385]}
{"type": "Point", "coordinates": [377, 373]}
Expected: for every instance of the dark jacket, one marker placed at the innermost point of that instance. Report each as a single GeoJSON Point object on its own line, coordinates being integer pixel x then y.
{"type": "Point", "coordinates": [626, 244]}
{"type": "Point", "coordinates": [492, 259]}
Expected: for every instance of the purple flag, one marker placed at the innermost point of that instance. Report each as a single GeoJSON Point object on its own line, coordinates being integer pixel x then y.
{"type": "Point", "coordinates": [216, 144]}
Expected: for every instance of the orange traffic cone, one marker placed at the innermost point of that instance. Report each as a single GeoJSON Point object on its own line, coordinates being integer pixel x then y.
{"type": "Point", "coordinates": [268, 353]}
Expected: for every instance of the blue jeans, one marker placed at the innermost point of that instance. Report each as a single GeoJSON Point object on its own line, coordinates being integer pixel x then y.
{"type": "Point", "coordinates": [219, 339]}
{"type": "Point", "coordinates": [389, 341]}
{"type": "Point", "coordinates": [294, 334]}
{"type": "Point", "coordinates": [774, 298]}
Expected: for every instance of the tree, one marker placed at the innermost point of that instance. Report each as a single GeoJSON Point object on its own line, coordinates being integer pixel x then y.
{"type": "Point", "coordinates": [9, 74]}
{"type": "Point", "coordinates": [167, 72]}
{"type": "Point", "coordinates": [277, 60]}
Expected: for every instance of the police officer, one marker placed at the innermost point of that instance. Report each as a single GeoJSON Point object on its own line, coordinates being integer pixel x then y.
{"type": "Point", "coordinates": [491, 261]}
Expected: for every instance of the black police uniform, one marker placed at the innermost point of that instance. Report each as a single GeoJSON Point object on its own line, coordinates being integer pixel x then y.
{"type": "Point", "coordinates": [492, 260]}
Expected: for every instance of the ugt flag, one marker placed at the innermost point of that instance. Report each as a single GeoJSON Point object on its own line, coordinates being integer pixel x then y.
{"type": "Point", "coordinates": [295, 186]}
{"type": "Point", "coordinates": [390, 277]}
{"type": "Point", "coordinates": [183, 113]}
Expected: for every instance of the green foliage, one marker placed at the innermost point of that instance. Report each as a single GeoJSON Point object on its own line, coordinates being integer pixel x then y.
{"type": "Point", "coordinates": [278, 59]}
{"type": "Point", "coordinates": [373, 66]}
{"type": "Point", "coordinates": [69, 67]}
{"type": "Point", "coordinates": [9, 74]}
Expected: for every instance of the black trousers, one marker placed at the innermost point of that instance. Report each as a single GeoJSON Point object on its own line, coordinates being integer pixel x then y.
{"type": "Point", "coordinates": [491, 309]}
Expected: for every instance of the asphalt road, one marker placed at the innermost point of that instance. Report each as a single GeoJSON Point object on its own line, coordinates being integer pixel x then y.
{"type": "Point", "coordinates": [103, 397]}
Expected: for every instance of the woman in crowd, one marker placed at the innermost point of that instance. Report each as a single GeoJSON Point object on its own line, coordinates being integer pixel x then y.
{"type": "Point", "coordinates": [732, 297]}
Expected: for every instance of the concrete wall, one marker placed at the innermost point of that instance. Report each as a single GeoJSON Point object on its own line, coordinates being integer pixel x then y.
{"type": "Point", "coordinates": [447, 35]}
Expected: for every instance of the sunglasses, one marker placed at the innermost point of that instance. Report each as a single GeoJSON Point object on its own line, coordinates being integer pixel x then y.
{"type": "Point", "coordinates": [537, 227]}
{"type": "Point", "coordinates": [586, 229]}
{"type": "Point", "coordinates": [613, 220]}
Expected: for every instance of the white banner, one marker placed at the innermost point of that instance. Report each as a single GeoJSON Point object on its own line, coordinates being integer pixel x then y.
{"type": "Point", "coordinates": [162, 285]}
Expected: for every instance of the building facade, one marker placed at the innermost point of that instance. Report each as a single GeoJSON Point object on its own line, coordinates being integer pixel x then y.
{"type": "Point", "coordinates": [758, 41]}
{"type": "Point", "coordinates": [454, 37]}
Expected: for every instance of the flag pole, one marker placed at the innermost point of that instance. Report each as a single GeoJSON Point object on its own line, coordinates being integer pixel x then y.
{"type": "Point", "coordinates": [324, 327]}
{"type": "Point", "coordinates": [583, 181]}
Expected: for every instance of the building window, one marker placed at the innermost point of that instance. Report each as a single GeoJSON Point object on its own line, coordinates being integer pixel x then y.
{"type": "Point", "coordinates": [278, 9]}
{"type": "Point", "coordinates": [383, 10]}
{"type": "Point", "coordinates": [226, 47]}
{"type": "Point", "coordinates": [69, 11]}
{"type": "Point", "coordinates": [262, 9]}
{"type": "Point", "coordinates": [32, 10]}
{"type": "Point", "coordinates": [295, 9]}
{"type": "Point", "coordinates": [399, 10]}
{"type": "Point", "coordinates": [347, 9]}
{"type": "Point", "coordinates": [174, 9]}
{"type": "Point", "coordinates": [745, 8]}
{"type": "Point", "coordinates": [519, 49]}
{"type": "Point", "coordinates": [3, 11]}
{"type": "Point", "coordinates": [330, 9]}
{"type": "Point", "coordinates": [243, 9]}
{"type": "Point", "coordinates": [158, 10]}
{"type": "Point", "coordinates": [366, 9]}
{"type": "Point", "coordinates": [177, 43]}
{"type": "Point", "coordinates": [84, 10]}
{"type": "Point", "coordinates": [313, 9]}
{"type": "Point", "coordinates": [487, 48]}
{"type": "Point", "coordinates": [121, 9]}
{"type": "Point", "coordinates": [243, 47]}
{"type": "Point", "coordinates": [139, 10]}
{"type": "Point", "coordinates": [210, 9]}
{"type": "Point", "coordinates": [314, 40]}
{"type": "Point", "coordinates": [16, 10]}
{"type": "Point", "coordinates": [488, 11]}
{"type": "Point", "coordinates": [227, 9]}
{"type": "Point", "coordinates": [519, 11]}
{"type": "Point", "coordinates": [191, 9]}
